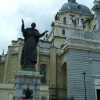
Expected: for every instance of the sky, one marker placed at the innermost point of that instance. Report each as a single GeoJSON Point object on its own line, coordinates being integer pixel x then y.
{"type": "Point", "coordinates": [41, 12]}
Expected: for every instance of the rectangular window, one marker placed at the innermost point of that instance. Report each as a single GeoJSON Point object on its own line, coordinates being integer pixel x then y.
{"type": "Point", "coordinates": [64, 20]}
{"type": "Point", "coordinates": [43, 72]}
{"type": "Point", "coordinates": [47, 96]}
{"type": "Point", "coordinates": [98, 94]}
{"type": "Point", "coordinates": [10, 96]}
{"type": "Point", "coordinates": [63, 32]}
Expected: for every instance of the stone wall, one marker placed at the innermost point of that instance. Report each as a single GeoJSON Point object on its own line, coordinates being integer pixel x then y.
{"type": "Point", "coordinates": [95, 73]}
{"type": "Point", "coordinates": [77, 63]}
{"type": "Point", "coordinates": [83, 55]}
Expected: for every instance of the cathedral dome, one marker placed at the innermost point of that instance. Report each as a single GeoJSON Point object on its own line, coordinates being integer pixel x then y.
{"type": "Point", "coordinates": [72, 5]}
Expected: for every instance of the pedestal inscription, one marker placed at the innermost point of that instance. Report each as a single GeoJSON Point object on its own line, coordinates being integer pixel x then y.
{"type": "Point", "coordinates": [28, 79]}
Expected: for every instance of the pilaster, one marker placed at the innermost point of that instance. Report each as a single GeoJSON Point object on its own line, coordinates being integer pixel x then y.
{"type": "Point", "coordinates": [52, 67]}
{"type": "Point", "coordinates": [19, 55]}
{"type": "Point", "coordinates": [8, 65]}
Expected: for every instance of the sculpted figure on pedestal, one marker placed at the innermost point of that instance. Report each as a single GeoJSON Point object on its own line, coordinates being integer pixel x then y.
{"type": "Point", "coordinates": [29, 52]}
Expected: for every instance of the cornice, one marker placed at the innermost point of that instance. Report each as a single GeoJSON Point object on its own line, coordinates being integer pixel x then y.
{"type": "Point", "coordinates": [74, 12]}
{"type": "Point", "coordinates": [15, 55]}
{"type": "Point", "coordinates": [96, 7]}
{"type": "Point", "coordinates": [60, 37]}
{"type": "Point", "coordinates": [7, 88]}
{"type": "Point", "coordinates": [82, 47]}
{"type": "Point", "coordinates": [44, 54]}
{"type": "Point", "coordinates": [44, 41]}
{"type": "Point", "coordinates": [20, 39]}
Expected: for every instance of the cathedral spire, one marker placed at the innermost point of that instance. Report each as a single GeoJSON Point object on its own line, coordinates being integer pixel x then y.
{"type": "Point", "coordinates": [72, 1]}
{"type": "Point", "coordinates": [3, 53]}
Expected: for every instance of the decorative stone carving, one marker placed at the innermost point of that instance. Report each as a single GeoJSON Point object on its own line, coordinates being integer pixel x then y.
{"type": "Point", "coordinates": [96, 8]}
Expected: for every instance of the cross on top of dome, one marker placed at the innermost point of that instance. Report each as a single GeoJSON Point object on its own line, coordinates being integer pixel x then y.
{"type": "Point", "coordinates": [72, 1]}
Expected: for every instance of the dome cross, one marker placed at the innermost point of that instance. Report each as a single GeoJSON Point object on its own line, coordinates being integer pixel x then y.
{"type": "Point", "coordinates": [72, 1]}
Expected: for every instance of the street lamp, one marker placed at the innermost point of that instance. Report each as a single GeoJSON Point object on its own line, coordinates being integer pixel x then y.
{"type": "Point", "coordinates": [84, 74]}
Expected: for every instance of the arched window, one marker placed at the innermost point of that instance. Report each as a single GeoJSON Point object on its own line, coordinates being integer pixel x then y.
{"type": "Point", "coordinates": [63, 75]}
{"type": "Point", "coordinates": [43, 72]}
{"type": "Point", "coordinates": [64, 20]}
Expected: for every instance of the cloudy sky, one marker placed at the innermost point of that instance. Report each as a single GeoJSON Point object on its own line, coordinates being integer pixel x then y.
{"type": "Point", "coordinates": [39, 11]}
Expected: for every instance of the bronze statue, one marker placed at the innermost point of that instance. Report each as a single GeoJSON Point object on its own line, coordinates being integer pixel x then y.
{"type": "Point", "coordinates": [29, 52]}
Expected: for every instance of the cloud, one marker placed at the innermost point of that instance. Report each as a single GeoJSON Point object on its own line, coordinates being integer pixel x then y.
{"type": "Point", "coordinates": [39, 11]}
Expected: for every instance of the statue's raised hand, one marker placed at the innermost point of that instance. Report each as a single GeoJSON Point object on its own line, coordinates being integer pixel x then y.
{"type": "Point", "coordinates": [46, 31]}
{"type": "Point", "coordinates": [22, 21]}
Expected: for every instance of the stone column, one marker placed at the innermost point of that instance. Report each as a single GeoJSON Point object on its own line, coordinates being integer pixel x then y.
{"type": "Point", "coordinates": [27, 79]}
{"type": "Point", "coordinates": [96, 9]}
{"type": "Point", "coordinates": [80, 23]}
{"type": "Point", "coordinates": [70, 21]}
{"type": "Point", "coordinates": [8, 65]}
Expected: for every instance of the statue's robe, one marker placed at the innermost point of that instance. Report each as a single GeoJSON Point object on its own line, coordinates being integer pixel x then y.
{"type": "Point", "coordinates": [29, 52]}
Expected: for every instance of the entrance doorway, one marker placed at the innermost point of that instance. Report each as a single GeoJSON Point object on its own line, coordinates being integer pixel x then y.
{"type": "Point", "coordinates": [98, 94]}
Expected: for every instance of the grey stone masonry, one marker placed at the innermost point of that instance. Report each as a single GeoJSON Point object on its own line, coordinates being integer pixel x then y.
{"type": "Point", "coordinates": [83, 55]}
{"type": "Point", "coordinates": [25, 79]}
{"type": "Point", "coordinates": [81, 34]}
{"type": "Point", "coordinates": [77, 63]}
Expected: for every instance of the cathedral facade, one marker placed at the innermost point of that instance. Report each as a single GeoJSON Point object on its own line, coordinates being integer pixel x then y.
{"type": "Point", "coordinates": [71, 49]}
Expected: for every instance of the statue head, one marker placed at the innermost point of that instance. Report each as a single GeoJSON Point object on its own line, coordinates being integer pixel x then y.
{"type": "Point", "coordinates": [33, 25]}
{"type": "Point", "coordinates": [28, 89]}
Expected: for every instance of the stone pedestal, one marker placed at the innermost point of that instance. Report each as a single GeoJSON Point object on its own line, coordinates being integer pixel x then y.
{"type": "Point", "coordinates": [27, 79]}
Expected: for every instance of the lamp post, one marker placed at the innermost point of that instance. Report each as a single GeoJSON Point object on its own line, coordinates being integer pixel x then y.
{"type": "Point", "coordinates": [84, 74]}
